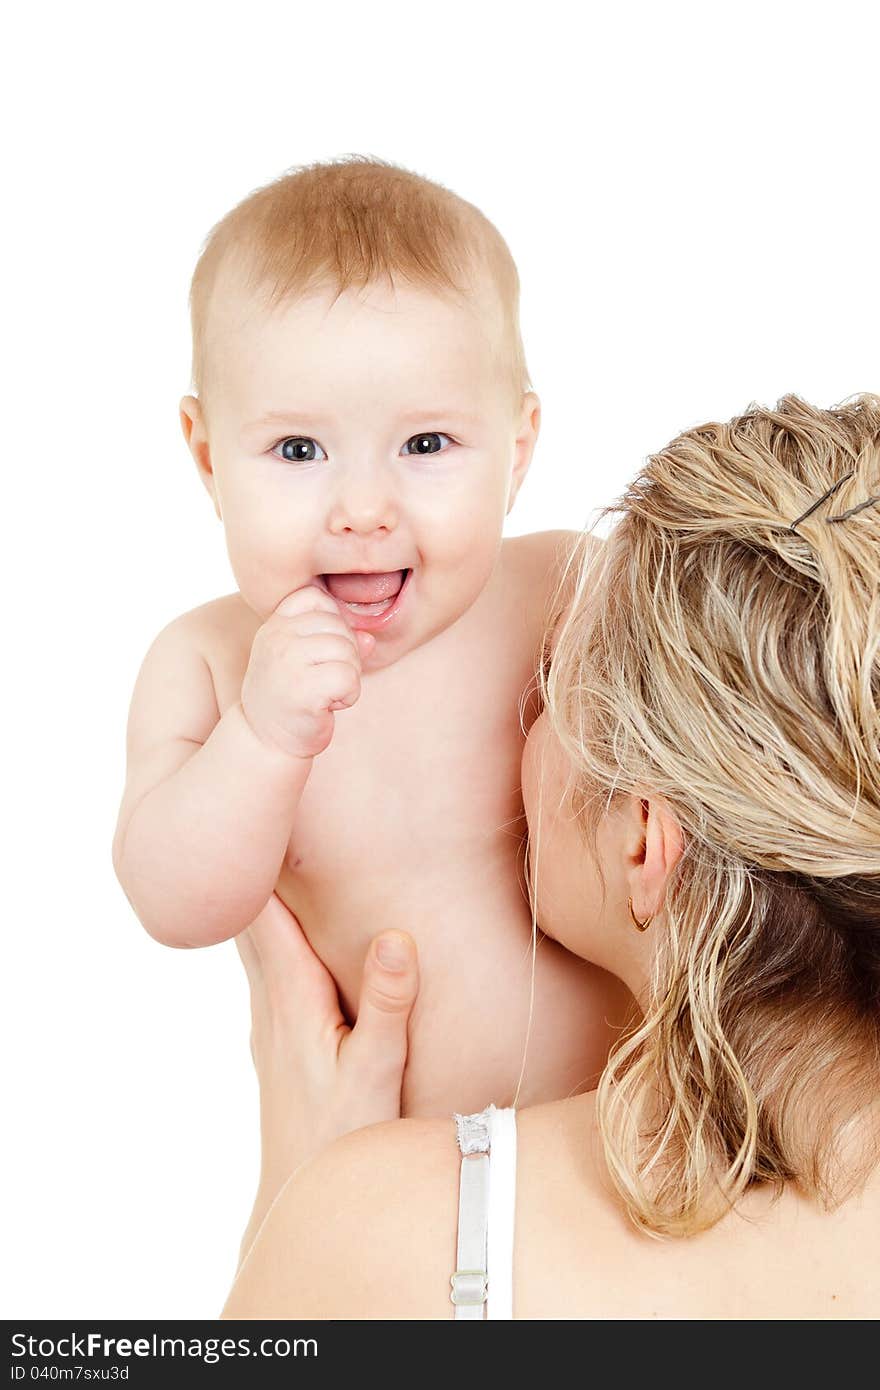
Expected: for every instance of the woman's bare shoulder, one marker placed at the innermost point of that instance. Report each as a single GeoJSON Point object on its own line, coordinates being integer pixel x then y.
{"type": "Point", "coordinates": [368, 1230]}
{"type": "Point", "coordinates": [364, 1230]}
{"type": "Point", "coordinates": [750, 1265]}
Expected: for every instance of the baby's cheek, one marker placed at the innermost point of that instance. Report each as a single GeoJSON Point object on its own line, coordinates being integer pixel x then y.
{"type": "Point", "coordinates": [477, 546]}
{"type": "Point", "coordinates": [473, 528]}
{"type": "Point", "coordinates": [266, 567]}
{"type": "Point", "coordinates": [254, 584]}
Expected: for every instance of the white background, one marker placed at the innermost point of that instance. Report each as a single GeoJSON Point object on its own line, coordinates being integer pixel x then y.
{"type": "Point", "coordinates": [691, 195]}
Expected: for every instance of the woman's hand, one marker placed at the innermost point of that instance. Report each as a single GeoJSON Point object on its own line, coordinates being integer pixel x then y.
{"type": "Point", "coordinates": [318, 1077]}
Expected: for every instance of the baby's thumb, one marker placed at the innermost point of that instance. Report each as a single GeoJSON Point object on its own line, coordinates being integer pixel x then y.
{"type": "Point", "coordinates": [365, 643]}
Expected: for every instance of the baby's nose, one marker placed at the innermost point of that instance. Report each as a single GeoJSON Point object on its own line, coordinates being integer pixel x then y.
{"type": "Point", "coordinates": [364, 501]}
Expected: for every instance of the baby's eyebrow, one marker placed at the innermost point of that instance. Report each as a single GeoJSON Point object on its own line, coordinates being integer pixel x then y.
{"type": "Point", "coordinates": [416, 416]}
{"type": "Point", "coordinates": [305, 420]}
{"type": "Point", "coordinates": [285, 417]}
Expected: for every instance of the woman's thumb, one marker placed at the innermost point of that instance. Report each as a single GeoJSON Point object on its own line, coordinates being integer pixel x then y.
{"type": "Point", "coordinates": [391, 978]}
{"type": "Point", "coordinates": [388, 991]}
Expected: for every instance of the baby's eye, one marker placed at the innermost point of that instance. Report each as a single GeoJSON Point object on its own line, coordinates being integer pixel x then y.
{"type": "Point", "coordinates": [426, 443]}
{"type": "Point", "coordinates": [298, 449]}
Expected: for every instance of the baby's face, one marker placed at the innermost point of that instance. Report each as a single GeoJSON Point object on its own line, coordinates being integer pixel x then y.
{"type": "Point", "coordinates": [367, 445]}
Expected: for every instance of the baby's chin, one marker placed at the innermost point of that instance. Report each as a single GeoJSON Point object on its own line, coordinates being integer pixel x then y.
{"type": "Point", "coordinates": [393, 648]}
{"type": "Point", "coordinates": [388, 649]}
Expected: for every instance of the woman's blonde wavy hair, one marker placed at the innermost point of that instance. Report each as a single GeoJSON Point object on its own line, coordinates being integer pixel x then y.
{"type": "Point", "coordinates": [732, 664]}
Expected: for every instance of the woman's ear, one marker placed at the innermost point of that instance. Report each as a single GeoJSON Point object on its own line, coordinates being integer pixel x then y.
{"type": "Point", "coordinates": [661, 845]}
{"type": "Point", "coordinates": [192, 421]}
{"type": "Point", "coordinates": [524, 446]}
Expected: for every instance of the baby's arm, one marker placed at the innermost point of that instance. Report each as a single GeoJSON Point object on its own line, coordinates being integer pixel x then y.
{"type": "Point", "coordinates": [209, 802]}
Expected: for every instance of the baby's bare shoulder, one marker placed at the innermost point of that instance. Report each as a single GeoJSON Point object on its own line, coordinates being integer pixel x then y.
{"type": "Point", "coordinates": [540, 556]}
{"type": "Point", "coordinates": [220, 631]}
{"type": "Point", "coordinates": [533, 567]}
{"type": "Point", "coordinates": [212, 640]}
{"type": "Point", "coordinates": [214, 626]}
{"type": "Point", "coordinates": [545, 566]}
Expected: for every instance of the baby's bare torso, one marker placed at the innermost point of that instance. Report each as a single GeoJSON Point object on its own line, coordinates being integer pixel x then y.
{"type": "Point", "coordinates": [412, 818]}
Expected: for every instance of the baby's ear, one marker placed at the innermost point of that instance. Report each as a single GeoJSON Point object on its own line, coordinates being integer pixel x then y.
{"type": "Point", "coordinates": [192, 421]}
{"type": "Point", "coordinates": [529, 424]}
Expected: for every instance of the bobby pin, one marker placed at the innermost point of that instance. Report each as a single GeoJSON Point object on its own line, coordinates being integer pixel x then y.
{"type": "Point", "coordinates": [823, 498]}
{"type": "Point", "coordinates": [859, 507]}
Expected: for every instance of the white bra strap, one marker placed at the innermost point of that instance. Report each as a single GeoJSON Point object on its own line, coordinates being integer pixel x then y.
{"type": "Point", "coordinates": [469, 1284]}
{"type": "Point", "coordinates": [502, 1215]}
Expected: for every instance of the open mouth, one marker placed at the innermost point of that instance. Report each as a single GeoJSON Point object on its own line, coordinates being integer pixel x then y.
{"type": "Point", "coordinates": [368, 597]}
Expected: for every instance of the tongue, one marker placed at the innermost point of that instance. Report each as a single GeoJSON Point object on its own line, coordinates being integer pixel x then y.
{"type": "Point", "coordinates": [365, 588]}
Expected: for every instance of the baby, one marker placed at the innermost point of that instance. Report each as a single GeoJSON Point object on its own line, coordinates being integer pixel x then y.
{"type": "Point", "coordinates": [345, 730]}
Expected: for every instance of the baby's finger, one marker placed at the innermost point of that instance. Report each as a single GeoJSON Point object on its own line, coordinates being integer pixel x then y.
{"type": "Point", "coordinates": [335, 684]}
{"type": "Point", "coordinates": [366, 642]}
{"type": "Point", "coordinates": [310, 598]}
{"type": "Point", "coordinates": [322, 647]}
{"type": "Point", "coordinates": [319, 620]}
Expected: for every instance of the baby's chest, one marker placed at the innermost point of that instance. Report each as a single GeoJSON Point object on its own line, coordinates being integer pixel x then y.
{"type": "Point", "coordinates": [420, 781]}
{"type": "Point", "coordinates": [424, 770]}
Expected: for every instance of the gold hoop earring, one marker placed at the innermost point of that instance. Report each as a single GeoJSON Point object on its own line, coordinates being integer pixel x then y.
{"type": "Point", "coordinates": [640, 926]}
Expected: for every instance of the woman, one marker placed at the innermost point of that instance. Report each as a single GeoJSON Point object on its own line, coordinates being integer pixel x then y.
{"type": "Point", "coordinates": [703, 797]}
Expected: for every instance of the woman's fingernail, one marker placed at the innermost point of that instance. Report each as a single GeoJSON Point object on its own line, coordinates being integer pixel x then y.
{"type": "Point", "coordinates": [392, 952]}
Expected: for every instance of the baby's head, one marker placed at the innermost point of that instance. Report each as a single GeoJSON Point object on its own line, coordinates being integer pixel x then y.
{"type": "Point", "coordinates": [362, 402]}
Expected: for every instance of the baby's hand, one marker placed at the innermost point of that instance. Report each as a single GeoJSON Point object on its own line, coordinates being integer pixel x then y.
{"type": "Point", "coordinates": [305, 663]}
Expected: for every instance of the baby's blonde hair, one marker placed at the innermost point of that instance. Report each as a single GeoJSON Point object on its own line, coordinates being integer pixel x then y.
{"type": "Point", "coordinates": [349, 223]}
{"type": "Point", "coordinates": [732, 665]}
